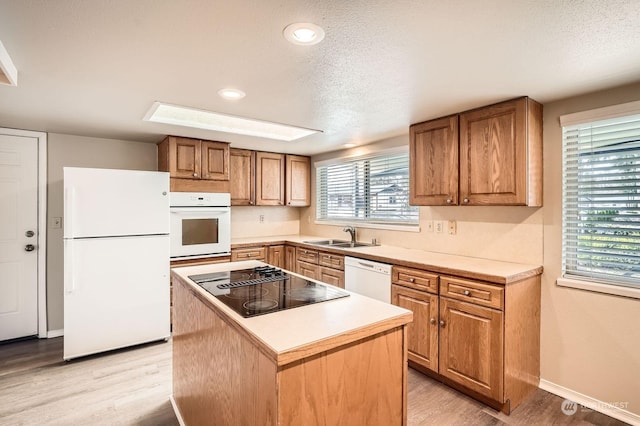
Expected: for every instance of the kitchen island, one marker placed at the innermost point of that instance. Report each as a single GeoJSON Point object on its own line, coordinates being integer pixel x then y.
{"type": "Point", "coordinates": [342, 361]}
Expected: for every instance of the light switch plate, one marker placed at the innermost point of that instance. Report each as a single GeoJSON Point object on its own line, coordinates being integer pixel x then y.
{"type": "Point", "coordinates": [429, 225]}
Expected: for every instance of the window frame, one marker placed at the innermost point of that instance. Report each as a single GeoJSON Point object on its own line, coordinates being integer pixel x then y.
{"type": "Point", "coordinates": [362, 223]}
{"type": "Point", "coordinates": [608, 286]}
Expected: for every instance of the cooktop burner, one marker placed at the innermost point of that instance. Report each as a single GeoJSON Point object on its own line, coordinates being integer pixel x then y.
{"type": "Point", "coordinates": [264, 289]}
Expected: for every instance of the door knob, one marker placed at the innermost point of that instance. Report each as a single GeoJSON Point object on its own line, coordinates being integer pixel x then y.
{"type": "Point", "coordinates": [29, 234]}
{"type": "Point", "coordinates": [29, 247]}
{"type": "Point", "coordinates": [432, 320]}
{"type": "Point", "coordinates": [442, 323]}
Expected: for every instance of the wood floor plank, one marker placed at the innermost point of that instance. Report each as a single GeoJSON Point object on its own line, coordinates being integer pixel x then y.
{"type": "Point", "coordinates": [132, 387]}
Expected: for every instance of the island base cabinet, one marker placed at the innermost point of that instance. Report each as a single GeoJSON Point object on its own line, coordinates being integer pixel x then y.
{"type": "Point", "coordinates": [221, 377]}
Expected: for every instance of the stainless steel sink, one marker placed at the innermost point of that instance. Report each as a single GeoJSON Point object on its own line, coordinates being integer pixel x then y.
{"type": "Point", "coordinates": [337, 243]}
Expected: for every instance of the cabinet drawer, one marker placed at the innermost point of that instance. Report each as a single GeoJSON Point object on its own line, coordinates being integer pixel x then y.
{"type": "Point", "coordinates": [329, 260]}
{"type": "Point", "coordinates": [257, 253]}
{"type": "Point", "coordinates": [307, 269]}
{"type": "Point", "coordinates": [415, 278]}
{"type": "Point", "coordinates": [306, 255]}
{"type": "Point", "coordinates": [488, 295]}
{"type": "Point", "coordinates": [331, 276]}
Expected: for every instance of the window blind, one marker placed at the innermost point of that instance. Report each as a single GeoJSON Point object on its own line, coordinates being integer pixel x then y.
{"type": "Point", "coordinates": [373, 189]}
{"type": "Point", "coordinates": [601, 201]}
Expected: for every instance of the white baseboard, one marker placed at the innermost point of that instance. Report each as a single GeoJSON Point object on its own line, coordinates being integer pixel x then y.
{"type": "Point", "coordinates": [55, 333]}
{"type": "Point", "coordinates": [176, 410]}
{"type": "Point", "coordinates": [607, 408]}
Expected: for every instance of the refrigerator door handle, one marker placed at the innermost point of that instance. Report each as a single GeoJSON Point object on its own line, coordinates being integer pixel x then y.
{"type": "Point", "coordinates": [70, 204]}
{"type": "Point", "coordinates": [69, 276]}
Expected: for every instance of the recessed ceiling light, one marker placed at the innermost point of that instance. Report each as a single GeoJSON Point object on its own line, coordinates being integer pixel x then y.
{"type": "Point", "coordinates": [232, 94]}
{"type": "Point", "coordinates": [8, 71]}
{"type": "Point", "coordinates": [349, 145]}
{"type": "Point", "coordinates": [303, 33]}
{"type": "Point", "coordinates": [201, 119]}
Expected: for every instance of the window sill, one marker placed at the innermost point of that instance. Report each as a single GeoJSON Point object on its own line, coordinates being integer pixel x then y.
{"type": "Point", "coordinates": [385, 226]}
{"type": "Point", "coordinates": [599, 287]}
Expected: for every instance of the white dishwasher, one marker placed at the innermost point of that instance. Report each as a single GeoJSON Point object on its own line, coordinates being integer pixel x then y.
{"type": "Point", "coordinates": [372, 279]}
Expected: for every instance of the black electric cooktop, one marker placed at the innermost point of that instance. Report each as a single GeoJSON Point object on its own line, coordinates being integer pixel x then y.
{"type": "Point", "coordinates": [265, 289]}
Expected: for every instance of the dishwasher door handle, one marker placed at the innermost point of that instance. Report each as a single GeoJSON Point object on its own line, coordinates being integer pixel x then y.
{"type": "Point", "coordinates": [366, 265]}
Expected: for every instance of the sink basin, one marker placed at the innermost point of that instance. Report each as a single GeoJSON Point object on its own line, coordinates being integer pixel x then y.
{"type": "Point", "coordinates": [337, 243]}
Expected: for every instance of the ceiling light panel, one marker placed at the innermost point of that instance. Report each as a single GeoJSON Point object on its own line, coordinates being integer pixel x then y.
{"type": "Point", "coordinates": [231, 94]}
{"type": "Point", "coordinates": [303, 33]}
{"type": "Point", "coordinates": [208, 120]}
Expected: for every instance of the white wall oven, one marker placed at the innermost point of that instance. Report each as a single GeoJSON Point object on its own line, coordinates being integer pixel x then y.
{"type": "Point", "coordinates": [200, 225]}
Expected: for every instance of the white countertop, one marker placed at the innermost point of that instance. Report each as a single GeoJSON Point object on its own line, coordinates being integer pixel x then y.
{"type": "Point", "coordinates": [471, 267]}
{"type": "Point", "coordinates": [307, 329]}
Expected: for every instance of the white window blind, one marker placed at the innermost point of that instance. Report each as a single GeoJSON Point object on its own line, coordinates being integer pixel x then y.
{"type": "Point", "coordinates": [373, 190]}
{"type": "Point", "coordinates": [601, 201]}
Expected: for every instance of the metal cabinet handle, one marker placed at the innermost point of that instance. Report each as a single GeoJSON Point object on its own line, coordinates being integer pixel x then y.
{"type": "Point", "coordinates": [412, 280]}
{"type": "Point", "coordinates": [442, 323]}
{"type": "Point", "coordinates": [467, 292]}
{"type": "Point", "coordinates": [432, 320]}
{"type": "Point", "coordinates": [466, 200]}
{"type": "Point", "coordinates": [251, 202]}
{"type": "Point", "coordinates": [449, 201]}
{"type": "Point", "coordinates": [195, 175]}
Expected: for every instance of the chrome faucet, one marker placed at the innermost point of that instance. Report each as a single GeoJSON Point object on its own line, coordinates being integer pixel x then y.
{"type": "Point", "coordinates": [351, 230]}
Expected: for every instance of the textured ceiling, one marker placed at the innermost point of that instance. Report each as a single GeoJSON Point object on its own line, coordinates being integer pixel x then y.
{"type": "Point", "coordinates": [90, 67]}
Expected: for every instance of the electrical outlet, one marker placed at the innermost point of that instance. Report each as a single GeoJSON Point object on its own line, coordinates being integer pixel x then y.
{"type": "Point", "coordinates": [261, 218]}
{"type": "Point", "coordinates": [56, 222]}
{"type": "Point", "coordinates": [439, 224]}
{"type": "Point", "coordinates": [452, 227]}
{"type": "Point", "coordinates": [429, 224]}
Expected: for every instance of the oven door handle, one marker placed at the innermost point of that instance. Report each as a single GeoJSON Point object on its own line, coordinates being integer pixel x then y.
{"type": "Point", "coordinates": [178, 210]}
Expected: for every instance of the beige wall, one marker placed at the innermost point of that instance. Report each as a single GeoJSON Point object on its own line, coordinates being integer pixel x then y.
{"type": "Point", "coordinates": [512, 234]}
{"type": "Point", "coordinates": [590, 341]}
{"type": "Point", "coordinates": [77, 151]}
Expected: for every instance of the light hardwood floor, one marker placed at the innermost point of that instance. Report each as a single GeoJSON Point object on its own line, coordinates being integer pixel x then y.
{"type": "Point", "coordinates": [132, 387]}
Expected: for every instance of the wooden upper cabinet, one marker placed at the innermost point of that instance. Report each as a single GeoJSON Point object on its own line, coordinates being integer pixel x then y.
{"type": "Point", "coordinates": [433, 162]}
{"type": "Point", "coordinates": [242, 177]}
{"type": "Point", "coordinates": [214, 160]}
{"type": "Point", "coordinates": [187, 158]}
{"type": "Point", "coordinates": [501, 154]}
{"type": "Point", "coordinates": [487, 156]}
{"type": "Point", "coordinates": [270, 169]}
{"type": "Point", "coordinates": [298, 181]}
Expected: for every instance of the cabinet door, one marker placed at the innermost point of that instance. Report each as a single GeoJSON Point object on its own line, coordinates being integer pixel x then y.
{"type": "Point", "coordinates": [184, 158]}
{"type": "Point", "coordinates": [331, 276]}
{"type": "Point", "coordinates": [242, 175]}
{"type": "Point", "coordinates": [298, 177]}
{"type": "Point", "coordinates": [471, 350]}
{"type": "Point", "coordinates": [433, 162]}
{"type": "Point", "coordinates": [422, 333]}
{"type": "Point", "coordinates": [493, 154]}
{"type": "Point", "coordinates": [269, 179]}
{"type": "Point", "coordinates": [307, 269]}
{"type": "Point", "coordinates": [290, 258]}
{"type": "Point", "coordinates": [275, 256]}
{"type": "Point", "coordinates": [214, 160]}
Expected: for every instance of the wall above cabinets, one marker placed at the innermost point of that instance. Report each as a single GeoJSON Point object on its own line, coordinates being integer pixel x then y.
{"type": "Point", "coordinates": [489, 156]}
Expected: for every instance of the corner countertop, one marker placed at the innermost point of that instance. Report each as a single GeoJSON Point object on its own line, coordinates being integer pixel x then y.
{"type": "Point", "coordinates": [293, 334]}
{"type": "Point", "coordinates": [494, 271]}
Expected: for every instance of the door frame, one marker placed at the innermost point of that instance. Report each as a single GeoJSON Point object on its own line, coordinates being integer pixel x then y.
{"type": "Point", "coordinates": [42, 222]}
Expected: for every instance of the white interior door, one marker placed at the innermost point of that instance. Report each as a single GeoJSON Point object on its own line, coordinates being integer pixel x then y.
{"type": "Point", "coordinates": [18, 236]}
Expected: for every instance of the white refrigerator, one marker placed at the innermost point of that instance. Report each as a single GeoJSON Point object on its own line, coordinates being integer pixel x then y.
{"type": "Point", "coordinates": [116, 259]}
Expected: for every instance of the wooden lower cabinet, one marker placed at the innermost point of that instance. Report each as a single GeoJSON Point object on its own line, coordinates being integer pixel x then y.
{"type": "Point", "coordinates": [249, 253]}
{"type": "Point", "coordinates": [478, 337]}
{"type": "Point", "coordinates": [289, 258]}
{"type": "Point", "coordinates": [422, 333]}
{"type": "Point", "coordinates": [471, 346]}
{"type": "Point", "coordinates": [331, 276]}
{"type": "Point", "coordinates": [307, 269]}
{"type": "Point", "coordinates": [276, 256]}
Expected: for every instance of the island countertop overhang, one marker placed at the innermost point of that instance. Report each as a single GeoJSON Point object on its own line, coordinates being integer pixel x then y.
{"type": "Point", "coordinates": [289, 335]}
